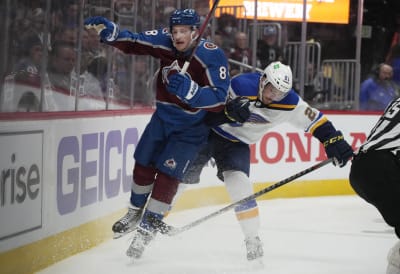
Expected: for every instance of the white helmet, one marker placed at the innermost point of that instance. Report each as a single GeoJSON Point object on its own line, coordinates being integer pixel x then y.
{"type": "Point", "coordinates": [279, 75]}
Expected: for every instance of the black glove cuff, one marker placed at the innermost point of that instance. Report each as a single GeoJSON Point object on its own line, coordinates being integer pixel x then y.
{"type": "Point", "coordinates": [323, 132]}
{"type": "Point", "coordinates": [227, 115]}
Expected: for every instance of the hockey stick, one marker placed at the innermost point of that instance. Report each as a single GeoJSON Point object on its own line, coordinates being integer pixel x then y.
{"type": "Point", "coordinates": [233, 61]}
{"type": "Point", "coordinates": [171, 231]}
{"type": "Point", "coordinates": [198, 39]}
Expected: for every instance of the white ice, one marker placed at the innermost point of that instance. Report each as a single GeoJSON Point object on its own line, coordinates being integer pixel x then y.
{"type": "Point", "coordinates": [322, 235]}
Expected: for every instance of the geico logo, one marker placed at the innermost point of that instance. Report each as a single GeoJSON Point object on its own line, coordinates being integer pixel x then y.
{"type": "Point", "coordinates": [93, 166]}
{"type": "Point", "coordinates": [18, 183]}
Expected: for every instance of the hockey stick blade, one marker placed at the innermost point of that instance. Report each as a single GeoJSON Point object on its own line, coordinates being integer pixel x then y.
{"type": "Point", "coordinates": [169, 230]}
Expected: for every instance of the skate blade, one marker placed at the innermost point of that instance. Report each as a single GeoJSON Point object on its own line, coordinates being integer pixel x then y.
{"type": "Point", "coordinates": [134, 253]}
{"type": "Point", "coordinates": [256, 264]}
{"type": "Point", "coordinates": [121, 234]}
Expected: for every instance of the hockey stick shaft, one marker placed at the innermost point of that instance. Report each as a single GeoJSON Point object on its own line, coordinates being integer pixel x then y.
{"type": "Point", "coordinates": [198, 39]}
{"type": "Point", "coordinates": [233, 61]}
{"type": "Point", "coordinates": [170, 230]}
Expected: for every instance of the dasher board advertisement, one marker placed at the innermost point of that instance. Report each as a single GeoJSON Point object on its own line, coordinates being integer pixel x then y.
{"type": "Point", "coordinates": [317, 11]}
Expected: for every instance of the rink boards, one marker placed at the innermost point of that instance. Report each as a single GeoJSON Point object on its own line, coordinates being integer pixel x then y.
{"type": "Point", "coordinates": [66, 178]}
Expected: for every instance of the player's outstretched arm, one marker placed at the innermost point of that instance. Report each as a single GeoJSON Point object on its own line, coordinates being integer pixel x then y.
{"type": "Point", "coordinates": [107, 30]}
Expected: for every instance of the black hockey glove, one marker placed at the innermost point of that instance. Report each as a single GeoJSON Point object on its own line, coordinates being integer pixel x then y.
{"type": "Point", "coordinates": [336, 147]}
{"type": "Point", "coordinates": [237, 110]}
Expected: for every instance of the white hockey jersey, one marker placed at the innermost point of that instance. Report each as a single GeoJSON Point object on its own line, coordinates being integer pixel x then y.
{"type": "Point", "coordinates": [291, 109]}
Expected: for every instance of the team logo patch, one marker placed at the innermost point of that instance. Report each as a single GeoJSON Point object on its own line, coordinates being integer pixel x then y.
{"type": "Point", "coordinates": [209, 45]}
{"type": "Point", "coordinates": [170, 163]}
{"type": "Point", "coordinates": [169, 70]}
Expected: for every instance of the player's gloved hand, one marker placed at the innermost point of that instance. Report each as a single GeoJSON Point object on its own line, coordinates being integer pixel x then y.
{"type": "Point", "coordinates": [181, 85]}
{"type": "Point", "coordinates": [107, 30]}
{"type": "Point", "coordinates": [237, 110]}
{"type": "Point", "coordinates": [338, 149]}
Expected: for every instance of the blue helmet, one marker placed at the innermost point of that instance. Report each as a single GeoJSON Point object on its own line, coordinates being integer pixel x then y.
{"type": "Point", "coordinates": [187, 17]}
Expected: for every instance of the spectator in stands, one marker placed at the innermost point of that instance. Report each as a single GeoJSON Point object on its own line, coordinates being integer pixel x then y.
{"type": "Point", "coordinates": [241, 52]}
{"type": "Point", "coordinates": [66, 35]}
{"type": "Point", "coordinates": [69, 36]}
{"type": "Point", "coordinates": [70, 14]}
{"type": "Point", "coordinates": [163, 11]}
{"type": "Point", "coordinates": [96, 48]}
{"type": "Point", "coordinates": [32, 25]}
{"type": "Point", "coordinates": [63, 78]}
{"type": "Point", "coordinates": [61, 64]}
{"type": "Point", "coordinates": [202, 8]}
{"type": "Point", "coordinates": [27, 68]}
{"type": "Point", "coordinates": [98, 68]}
{"type": "Point", "coordinates": [379, 89]}
{"type": "Point", "coordinates": [218, 40]}
{"type": "Point", "coordinates": [34, 22]}
{"type": "Point", "coordinates": [268, 49]}
{"type": "Point", "coordinates": [142, 92]}
{"type": "Point", "coordinates": [227, 27]}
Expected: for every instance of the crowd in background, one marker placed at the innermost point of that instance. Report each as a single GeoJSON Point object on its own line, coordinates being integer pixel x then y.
{"type": "Point", "coordinates": [76, 61]}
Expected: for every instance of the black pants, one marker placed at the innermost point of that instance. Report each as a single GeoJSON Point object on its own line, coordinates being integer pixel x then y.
{"type": "Point", "coordinates": [375, 176]}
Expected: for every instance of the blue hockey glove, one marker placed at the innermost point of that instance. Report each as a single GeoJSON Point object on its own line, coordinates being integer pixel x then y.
{"type": "Point", "coordinates": [107, 30]}
{"type": "Point", "coordinates": [182, 86]}
{"type": "Point", "coordinates": [237, 110]}
{"type": "Point", "coordinates": [336, 147]}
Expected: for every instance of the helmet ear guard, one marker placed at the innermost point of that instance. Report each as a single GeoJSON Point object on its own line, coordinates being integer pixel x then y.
{"type": "Point", "coordinates": [279, 75]}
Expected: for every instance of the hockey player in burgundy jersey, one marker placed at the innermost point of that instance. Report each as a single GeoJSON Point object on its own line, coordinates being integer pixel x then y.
{"type": "Point", "coordinates": [375, 174]}
{"type": "Point", "coordinates": [176, 130]}
{"type": "Point", "coordinates": [261, 102]}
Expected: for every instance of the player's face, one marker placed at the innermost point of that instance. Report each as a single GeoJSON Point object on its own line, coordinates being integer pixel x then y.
{"type": "Point", "coordinates": [182, 37]}
{"type": "Point", "coordinates": [270, 93]}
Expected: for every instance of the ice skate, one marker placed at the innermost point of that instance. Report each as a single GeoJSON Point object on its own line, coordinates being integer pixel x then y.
{"type": "Point", "coordinates": [394, 260]}
{"type": "Point", "coordinates": [254, 248]}
{"type": "Point", "coordinates": [140, 240]}
{"type": "Point", "coordinates": [127, 223]}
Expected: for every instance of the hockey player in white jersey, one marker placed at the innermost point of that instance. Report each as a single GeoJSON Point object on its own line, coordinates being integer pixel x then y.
{"type": "Point", "coordinates": [375, 174]}
{"type": "Point", "coordinates": [261, 101]}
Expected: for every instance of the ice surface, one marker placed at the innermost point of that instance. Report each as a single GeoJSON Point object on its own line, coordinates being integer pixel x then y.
{"type": "Point", "coordinates": [322, 235]}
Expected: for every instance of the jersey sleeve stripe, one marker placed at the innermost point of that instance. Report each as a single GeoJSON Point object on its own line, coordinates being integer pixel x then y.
{"type": "Point", "coordinates": [317, 124]}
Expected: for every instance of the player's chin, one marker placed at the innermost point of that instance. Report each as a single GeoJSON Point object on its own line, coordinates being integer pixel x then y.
{"type": "Point", "coordinates": [267, 101]}
{"type": "Point", "coordinates": [181, 46]}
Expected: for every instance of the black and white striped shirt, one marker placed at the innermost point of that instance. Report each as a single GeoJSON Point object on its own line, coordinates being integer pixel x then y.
{"type": "Point", "coordinates": [386, 132]}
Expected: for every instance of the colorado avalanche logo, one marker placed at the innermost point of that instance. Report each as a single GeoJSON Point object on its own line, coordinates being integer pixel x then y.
{"type": "Point", "coordinates": [170, 163]}
{"type": "Point", "coordinates": [209, 45]}
{"type": "Point", "coordinates": [169, 70]}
